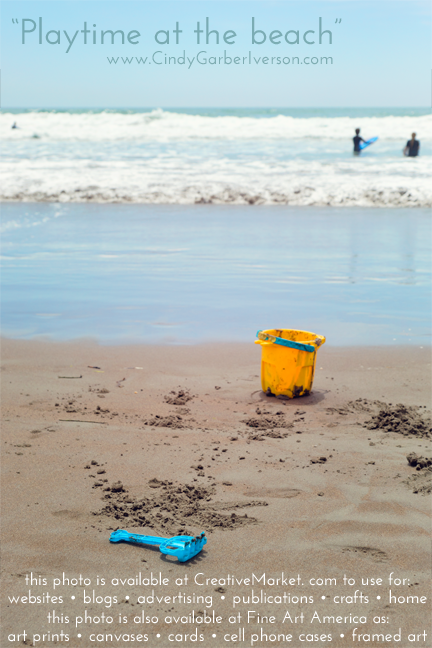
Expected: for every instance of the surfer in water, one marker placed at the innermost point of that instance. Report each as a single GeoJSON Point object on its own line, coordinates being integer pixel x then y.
{"type": "Point", "coordinates": [14, 125]}
{"type": "Point", "coordinates": [412, 147]}
{"type": "Point", "coordinates": [357, 139]}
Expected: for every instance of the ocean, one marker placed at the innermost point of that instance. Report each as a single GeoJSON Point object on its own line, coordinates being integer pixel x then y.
{"type": "Point", "coordinates": [184, 226]}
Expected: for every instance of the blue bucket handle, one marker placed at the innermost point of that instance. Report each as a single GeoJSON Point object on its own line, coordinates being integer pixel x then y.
{"type": "Point", "coordinates": [287, 343]}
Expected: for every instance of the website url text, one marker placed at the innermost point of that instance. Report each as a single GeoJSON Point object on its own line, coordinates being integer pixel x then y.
{"type": "Point", "coordinates": [202, 58]}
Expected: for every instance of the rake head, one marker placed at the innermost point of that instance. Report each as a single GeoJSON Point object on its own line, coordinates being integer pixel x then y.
{"type": "Point", "coordinates": [183, 547]}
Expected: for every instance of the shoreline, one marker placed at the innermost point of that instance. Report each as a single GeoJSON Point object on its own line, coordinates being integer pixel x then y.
{"type": "Point", "coordinates": [216, 205]}
{"type": "Point", "coordinates": [172, 344]}
{"type": "Point", "coordinates": [376, 198]}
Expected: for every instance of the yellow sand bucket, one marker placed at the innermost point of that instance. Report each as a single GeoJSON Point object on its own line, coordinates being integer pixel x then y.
{"type": "Point", "coordinates": [288, 361]}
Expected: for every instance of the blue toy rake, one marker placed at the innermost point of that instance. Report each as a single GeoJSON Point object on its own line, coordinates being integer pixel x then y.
{"type": "Point", "coordinates": [184, 547]}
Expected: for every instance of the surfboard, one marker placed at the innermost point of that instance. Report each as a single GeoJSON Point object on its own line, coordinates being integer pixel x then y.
{"type": "Point", "coordinates": [367, 143]}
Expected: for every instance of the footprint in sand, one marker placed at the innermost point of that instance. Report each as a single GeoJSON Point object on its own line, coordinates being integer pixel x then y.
{"type": "Point", "coordinates": [273, 492]}
{"type": "Point", "coordinates": [73, 515]}
{"type": "Point", "coordinates": [369, 552]}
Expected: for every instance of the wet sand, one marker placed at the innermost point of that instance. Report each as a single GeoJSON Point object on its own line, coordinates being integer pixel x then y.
{"type": "Point", "coordinates": [175, 274]}
{"type": "Point", "coordinates": [181, 439]}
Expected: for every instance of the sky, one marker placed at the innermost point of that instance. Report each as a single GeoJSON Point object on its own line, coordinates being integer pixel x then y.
{"type": "Point", "coordinates": [379, 54]}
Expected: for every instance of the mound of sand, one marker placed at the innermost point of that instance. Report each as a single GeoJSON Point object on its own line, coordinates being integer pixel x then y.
{"type": "Point", "coordinates": [268, 424]}
{"type": "Point", "coordinates": [418, 462]}
{"type": "Point", "coordinates": [171, 506]}
{"type": "Point", "coordinates": [171, 421]}
{"type": "Point", "coordinates": [409, 421]}
{"type": "Point", "coordinates": [180, 397]}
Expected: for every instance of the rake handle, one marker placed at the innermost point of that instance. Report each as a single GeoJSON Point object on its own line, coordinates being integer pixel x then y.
{"type": "Point", "coordinates": [143, 539]}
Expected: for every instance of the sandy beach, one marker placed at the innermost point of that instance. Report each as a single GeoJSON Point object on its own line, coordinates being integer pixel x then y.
{"type": "Point", "coordinates": [165, 440]}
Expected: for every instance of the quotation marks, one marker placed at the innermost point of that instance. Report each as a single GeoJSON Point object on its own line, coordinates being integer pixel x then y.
{"type": "Point", "coordinates": [338, 20]}
{"type": "Point", "coordinates": [15, 21]}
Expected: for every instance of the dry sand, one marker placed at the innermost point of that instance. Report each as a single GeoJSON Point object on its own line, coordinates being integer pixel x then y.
{"type": "Point", "coordinates": [168, 440]}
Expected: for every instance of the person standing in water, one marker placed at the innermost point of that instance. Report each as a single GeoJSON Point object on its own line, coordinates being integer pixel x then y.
{"type": "Point", "coordinates": [412, 147]}
{"type": "Point", "coordinates": [357, 139]}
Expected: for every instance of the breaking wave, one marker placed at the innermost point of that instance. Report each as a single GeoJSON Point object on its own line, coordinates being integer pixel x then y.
{"type": "Point", "coordinates": [167, 157]}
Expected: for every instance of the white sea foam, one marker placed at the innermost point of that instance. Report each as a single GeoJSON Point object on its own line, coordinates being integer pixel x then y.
{"type": "Point", "coordinates": [167, 157]}
{"type": "Point", "coordinates": [292, 183]}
